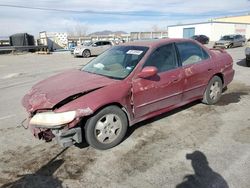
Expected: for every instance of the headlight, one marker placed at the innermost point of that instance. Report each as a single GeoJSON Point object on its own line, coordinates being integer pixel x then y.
{"type": "Point", "coordinates": [247, 51]}
{"type": "Point", "coordinates": [52, 119]}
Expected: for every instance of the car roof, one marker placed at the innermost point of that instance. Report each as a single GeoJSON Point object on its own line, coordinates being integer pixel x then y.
{"type": "Point", "coordinates": [232, 35]}
{"type": "Point", "coordinates": [100, 41]}
{"type": "Point", "coordinates": [155, 43]}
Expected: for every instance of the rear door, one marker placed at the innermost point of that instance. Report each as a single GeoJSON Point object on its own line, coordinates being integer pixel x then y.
{"type": "Point", "coordinates": [106, 45]}
{"type": "Point", "coordinates": [163, 90]}
{"type": "Point", "coordinates": [239, 40]}
{"type": "Point", "coordinates": [96, 48]}
{"type": "Point", "coordinates": [198, 68]}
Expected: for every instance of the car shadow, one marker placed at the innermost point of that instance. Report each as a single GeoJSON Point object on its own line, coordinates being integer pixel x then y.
{"type": "Point", "coordinates": [204, 176]}
{"type": "Point", "coordinates": [229, 98]}
{"type": "Point", "coordinates": [242, 63]}
{"type": "Point", "coordinates": [226, 99]}
{"type": "Point", "coordinates": [159, 117]}
{"type": "Point", "coordinates": [42, 178]}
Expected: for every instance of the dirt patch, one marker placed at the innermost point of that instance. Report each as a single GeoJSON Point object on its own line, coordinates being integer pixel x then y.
{"type": "Point", "coordinates": [7, 129]}
{"type": "Point", "coordinates": [243, 136]}
{"type": "Point", "coordinates": [196, 126]}
{"type": "Point", "coordinates": [44, 165]}
{"type": "Point", "coordinates": [77, 162]}
{"type": "Point", "coordinates": [41, 178]}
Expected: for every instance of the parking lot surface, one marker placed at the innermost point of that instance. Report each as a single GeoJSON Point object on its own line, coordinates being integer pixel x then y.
{"type": "Point", "coordinates": [193, 145]}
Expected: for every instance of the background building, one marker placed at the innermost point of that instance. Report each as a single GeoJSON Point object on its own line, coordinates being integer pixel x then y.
{"type": "Point", "coordinates": [148, 35]}
{"type": "Point", "coordinates": [53, 40]}
{"type": "Point", "coordinates": [214, 29]}
{"type": "Point", "coordinates": [234, 19]}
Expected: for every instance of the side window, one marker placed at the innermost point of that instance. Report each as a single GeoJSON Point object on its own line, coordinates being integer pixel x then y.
{"type": "Point", "coordinates": [191, 53]}
{"type": "Point", "coordinates": [98, 43]}
{"type": "Point", "coordinates": [106, 43]}
{"type": "Point", "coordinates": [163, 58]}
{"type": "Point", "coordinates": [238, 36]}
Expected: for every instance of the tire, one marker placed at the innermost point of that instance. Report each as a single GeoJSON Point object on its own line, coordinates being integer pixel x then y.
{"type": "Point", "coordinates": [86, 54]}
{"type": "Point", "coordinates": [230, 46]}
{"type": "Point", "coordinates": [106, 128]}
{"type": "Point", "coordinates": [247, 63]}
{"type": "Point", "coordinates": [213, 91]}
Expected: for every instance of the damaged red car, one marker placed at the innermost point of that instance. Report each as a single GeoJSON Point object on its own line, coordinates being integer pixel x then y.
{"type": "Point", "coordinates": [125, 85]}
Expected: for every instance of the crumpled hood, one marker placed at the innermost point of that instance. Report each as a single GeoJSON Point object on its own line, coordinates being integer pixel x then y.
{"type": "Point", "coordinates": [49, 92]}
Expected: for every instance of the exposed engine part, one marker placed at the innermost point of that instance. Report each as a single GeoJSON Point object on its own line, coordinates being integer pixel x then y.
{"type": "Point", "coordinates": [67, 138]}
{"type": "Point", "coordinates": [46, 135]}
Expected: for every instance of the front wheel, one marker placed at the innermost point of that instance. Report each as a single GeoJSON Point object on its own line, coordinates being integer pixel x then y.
{"type": "Point", "coordinates": [107, 128]}
{"type": "Point", "coordinates": [213, 91]}
{"type": "Point", "coordinates": [86, 53]}
{"type": "Point", "coordinates": [247, 62]}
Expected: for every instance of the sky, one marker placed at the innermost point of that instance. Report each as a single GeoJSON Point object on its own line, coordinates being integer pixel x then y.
{"type": "Point", "coordinates": [33, 16]}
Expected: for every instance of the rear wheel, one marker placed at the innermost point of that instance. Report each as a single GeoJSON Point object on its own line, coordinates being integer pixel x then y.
{"type": "Point", "coordinates": [213, 91]}
{"type": "Point", "coordinates": [248, 62]}
{"type": "Point", "coordinates": [107, 128]}
{"type": "Point", "coordinates": [230, 46]}
{"type": "Point", "coordinates": [86, 53]}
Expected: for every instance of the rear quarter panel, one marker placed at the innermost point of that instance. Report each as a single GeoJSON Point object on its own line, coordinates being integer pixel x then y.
{"type": "Point", "coordinates": [223, 63]}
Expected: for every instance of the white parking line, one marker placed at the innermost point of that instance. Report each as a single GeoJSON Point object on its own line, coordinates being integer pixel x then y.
{"type": "Point", "coordinates": [7, 117]}
{"type": "Point", "coordinates": [12, 75]}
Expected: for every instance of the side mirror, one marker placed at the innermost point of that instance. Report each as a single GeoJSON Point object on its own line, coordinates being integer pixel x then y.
{"type": "Point", "coordinates": [147, 72]}
{"type": "Point", "coordinates": [94, 45]}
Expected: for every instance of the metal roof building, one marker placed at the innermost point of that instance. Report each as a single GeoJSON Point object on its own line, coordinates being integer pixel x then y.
{"type": "Point", "coordinates": [214, 29]}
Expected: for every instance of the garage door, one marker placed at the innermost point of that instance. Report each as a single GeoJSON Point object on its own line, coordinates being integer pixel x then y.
{"type": "Point", "coordinates": [188, 32]}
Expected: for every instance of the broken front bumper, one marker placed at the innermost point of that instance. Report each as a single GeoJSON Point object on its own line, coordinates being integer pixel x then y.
{"type": "Point", "coordinates": [69, 137]}
{"type": "Point", "coordinates": [64, 137]}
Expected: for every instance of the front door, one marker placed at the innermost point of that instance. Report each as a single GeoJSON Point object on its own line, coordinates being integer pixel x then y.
{"type": "Point", "coordinates": [164, 89]}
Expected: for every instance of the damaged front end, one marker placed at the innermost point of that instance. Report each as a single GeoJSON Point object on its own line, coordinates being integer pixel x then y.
{"type": "Point", "coordinates": [63, 126]}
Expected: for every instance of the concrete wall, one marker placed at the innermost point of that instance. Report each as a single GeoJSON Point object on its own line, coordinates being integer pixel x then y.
{"type": "Point", "coordinates": [177, 31]}
{"type": "Point", "coordinates": [148, 35]}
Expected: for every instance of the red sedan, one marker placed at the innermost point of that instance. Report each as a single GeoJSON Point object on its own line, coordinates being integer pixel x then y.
{"type": "Point", "coordinates": [125, 85]}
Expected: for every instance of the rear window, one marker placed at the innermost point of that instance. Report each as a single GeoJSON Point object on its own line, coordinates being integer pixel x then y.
{"type": "Point", "coordinates": [191, 53]}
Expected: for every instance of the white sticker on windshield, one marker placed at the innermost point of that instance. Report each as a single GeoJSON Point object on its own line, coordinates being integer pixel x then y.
{"type": "Point", "coordinates": [134, 52]}
{"type": "Point", "coordinates": [99, 66]}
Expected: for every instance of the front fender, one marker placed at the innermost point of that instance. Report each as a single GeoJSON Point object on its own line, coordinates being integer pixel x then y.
{"type": "Point", "coordinates": [119, 93]}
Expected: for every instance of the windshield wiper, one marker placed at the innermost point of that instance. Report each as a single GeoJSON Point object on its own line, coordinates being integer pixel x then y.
{"type": "Point", "coordinates": [112, 77]}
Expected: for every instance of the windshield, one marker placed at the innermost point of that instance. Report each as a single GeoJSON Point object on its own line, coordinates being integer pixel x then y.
{"type": "Point", "coordinates": [117, 62]}
{"type": "Point", "coordinates": [87, 43]}
{"type": "Point", "coordinates": [227, 37]}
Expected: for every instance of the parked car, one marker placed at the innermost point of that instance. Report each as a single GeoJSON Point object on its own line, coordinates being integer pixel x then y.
{"type": "Point", "coordinates": [123, 86]}
{"type": "Point", "coordinates": [229, 41]}
{"type": "Point", "coordinates": [247, 52]}
{"type": "Point", "coordinates": [203, 39]}
{"type": "Point", "coordinates": [95, 48]}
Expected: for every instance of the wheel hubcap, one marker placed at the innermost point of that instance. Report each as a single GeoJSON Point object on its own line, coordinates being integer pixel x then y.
{"type": "Point", "coordinates": [108, 128]}
{"type": "Point", "coordinates": [215, 91]}
{"type": "Point", "coordinates": [86, 54]}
